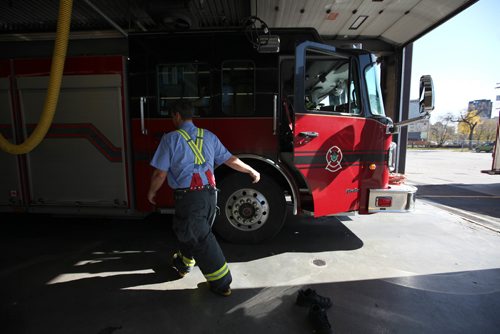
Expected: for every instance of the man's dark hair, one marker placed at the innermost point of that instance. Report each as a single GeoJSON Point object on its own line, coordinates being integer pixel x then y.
{"type": "Point", "coordinates": [184, 108]}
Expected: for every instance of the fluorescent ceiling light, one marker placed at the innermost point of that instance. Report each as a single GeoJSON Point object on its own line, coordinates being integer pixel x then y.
{"type": "Point", "coordinates": [359, 21]}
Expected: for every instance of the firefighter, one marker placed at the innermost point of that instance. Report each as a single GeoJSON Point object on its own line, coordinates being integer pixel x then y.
{"type": "Point", "coordinates": [186, 158]}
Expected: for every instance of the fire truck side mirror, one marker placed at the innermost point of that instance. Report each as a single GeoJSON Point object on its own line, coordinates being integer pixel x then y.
{"type": "Point", "coordinates": [426, 102]}
{"type": "Point", "coordinates": [426, 105]}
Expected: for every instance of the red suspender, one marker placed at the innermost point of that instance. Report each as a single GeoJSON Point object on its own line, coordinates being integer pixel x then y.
{"type": "Point", "coordinates": [210, 177]}
{"type": "Point", "coordinates": [196, 181]}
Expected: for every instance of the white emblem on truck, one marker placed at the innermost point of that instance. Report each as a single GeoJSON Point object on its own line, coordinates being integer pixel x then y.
{"type": "Point", "coordinates": [333, 159]}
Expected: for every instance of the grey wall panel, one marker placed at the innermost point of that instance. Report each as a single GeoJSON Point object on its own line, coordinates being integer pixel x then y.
{"type": "Point", "coordinates": [82, 160]}
{"type": "Point", "coordinates": [9, 177]}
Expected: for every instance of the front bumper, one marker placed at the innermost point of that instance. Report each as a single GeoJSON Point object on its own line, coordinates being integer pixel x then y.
{"type": "Point", "coordinates": [402, 199]}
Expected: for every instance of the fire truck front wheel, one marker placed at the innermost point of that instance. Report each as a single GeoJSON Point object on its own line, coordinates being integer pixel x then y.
{"type": "Point", "coordinates": [249, 212]}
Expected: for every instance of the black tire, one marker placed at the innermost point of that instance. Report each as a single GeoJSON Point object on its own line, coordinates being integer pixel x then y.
{"type": "Point", "coordinates": [249, 212]}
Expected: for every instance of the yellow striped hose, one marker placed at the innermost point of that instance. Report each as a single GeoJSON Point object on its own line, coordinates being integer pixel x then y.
{"type": "Point", "coordinates": [56, 72]}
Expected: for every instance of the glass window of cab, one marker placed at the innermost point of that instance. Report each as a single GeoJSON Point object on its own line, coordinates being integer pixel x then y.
{"type": "Point", "coordinates": [238, 88]}
{"type": "Point", "coordinates": [331, 85]}
{"type": "Point", "coordinates": [189, 81]}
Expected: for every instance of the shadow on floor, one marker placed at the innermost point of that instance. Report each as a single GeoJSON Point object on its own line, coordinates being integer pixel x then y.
{"type": "Point", "coordinates": [70, 275]}
{"type": "Point", "coordinates": [462, 302]}
{"type": "Point", "coordinates": [475, 198]}
{"type": "Point", "coordinates": [61, 276]}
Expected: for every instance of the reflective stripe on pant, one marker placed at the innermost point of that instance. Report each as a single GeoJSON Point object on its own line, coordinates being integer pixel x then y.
{"type": "Point", "coordinates": [194, 216]}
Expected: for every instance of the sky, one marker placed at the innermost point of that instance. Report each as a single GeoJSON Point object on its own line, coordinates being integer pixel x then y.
{"type": "Point", "coordinates": [463, 57]}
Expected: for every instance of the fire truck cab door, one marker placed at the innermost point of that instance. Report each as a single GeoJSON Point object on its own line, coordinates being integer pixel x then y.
{"type": "Point", "coordinates": [326, 128]}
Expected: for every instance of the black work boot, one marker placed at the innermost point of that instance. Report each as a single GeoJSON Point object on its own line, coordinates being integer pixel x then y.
{"type": "Point", "coordinates": [310, 297]}
{"type": "Point", "coordinates": [319, 320]}
{"type": "Point", "coordinates": [180, 265]}
{"type": "Point", "coordinates": [224, 291]}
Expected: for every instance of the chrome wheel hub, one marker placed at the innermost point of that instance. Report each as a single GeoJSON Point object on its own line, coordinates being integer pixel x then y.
{"type": "Point", "coordinates": [247, 209]}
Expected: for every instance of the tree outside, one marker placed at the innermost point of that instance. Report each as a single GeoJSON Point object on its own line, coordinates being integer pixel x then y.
{"type": "Point", "coordinates": [465, 130]}
{"type": "Point", "coordinates": [442, 131]}
{"type": "Point", "coordinates": [467, 123]}
{"type": "Point", "coordinates": [486, 131]}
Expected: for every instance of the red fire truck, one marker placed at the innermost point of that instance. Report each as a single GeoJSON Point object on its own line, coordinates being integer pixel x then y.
{"type": "Point", "coordinates": [308, 116]}
{"type": "Point", "coordinates": [495, 164]}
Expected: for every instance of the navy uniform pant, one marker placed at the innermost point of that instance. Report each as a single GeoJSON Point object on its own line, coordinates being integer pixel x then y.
{"type": "Point", "coordinates": [194, 216]}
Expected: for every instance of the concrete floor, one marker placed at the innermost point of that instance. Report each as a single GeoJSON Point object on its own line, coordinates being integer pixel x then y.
{"type": "Point", "coordinates": [427, 272]}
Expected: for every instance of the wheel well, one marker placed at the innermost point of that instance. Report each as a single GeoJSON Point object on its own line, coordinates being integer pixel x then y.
{"type": "Point", "coordinates": [262, 167]}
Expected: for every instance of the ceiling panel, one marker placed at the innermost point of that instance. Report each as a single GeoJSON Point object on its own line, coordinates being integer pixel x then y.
{"type": "Point", "coordinates": [394, 21]}
{"type": "Point", "coordinates": [383, 15]}
{"type": "Point", "coordinates": [424, 15]}
{"type": "Point", "coordinates": [404, 27]}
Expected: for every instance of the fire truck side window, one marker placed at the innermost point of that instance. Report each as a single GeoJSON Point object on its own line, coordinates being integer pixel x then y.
{"type": "Point", "coordinates": [187, 81]}
{"type": "Point", "coordinates": [372, 75]}
{"type": "Point", "coordinates": [354, 98]}
{"type": "Point", "coordinates": [238, 88]}
{"type": "Point", "coordinates": [330, 85]}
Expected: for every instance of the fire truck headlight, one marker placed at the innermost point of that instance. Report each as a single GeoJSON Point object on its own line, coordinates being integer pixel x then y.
{"type": "Point", "coordinates": [392, 157]}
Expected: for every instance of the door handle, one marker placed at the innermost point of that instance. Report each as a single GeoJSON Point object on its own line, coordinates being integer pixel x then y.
{"type": "Point", "coordinates": [309, 134]}
{"type": "Point", "coordinates": [144, 131]}
{"type": "Point", "coordinates": [275, 114]}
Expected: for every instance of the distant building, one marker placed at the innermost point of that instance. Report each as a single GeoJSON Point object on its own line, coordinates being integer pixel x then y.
{"type": "Point", "coordinates": [414, 111]}
{"type": "Point", "coordinates": [482, 106]}
{"type": "Point", "coordinates": [417, 131]}
{"type": "Point", "coordinates": [497, 100]}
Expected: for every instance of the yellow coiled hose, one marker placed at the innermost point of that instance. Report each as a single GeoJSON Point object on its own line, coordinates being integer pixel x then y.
{"type": "Point", "coordinates": [56, 72]}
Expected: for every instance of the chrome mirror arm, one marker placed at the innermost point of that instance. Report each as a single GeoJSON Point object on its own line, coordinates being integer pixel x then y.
{"type": "Point", "coordinates": [394, 127]}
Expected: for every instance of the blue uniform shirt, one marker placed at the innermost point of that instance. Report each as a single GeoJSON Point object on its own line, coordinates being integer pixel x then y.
{"type": "Point", "coordinates": [175, 157]}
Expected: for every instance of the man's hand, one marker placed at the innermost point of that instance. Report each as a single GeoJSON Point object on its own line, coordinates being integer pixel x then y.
{"type": "Point", "coordinates": [255, 176]}
{"type": "Point", "coordinates": [151, 197]}
{"type": "Point", "coordinates": [236, 164]}
{"type": "Point", "coordinates": [157, 180]}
